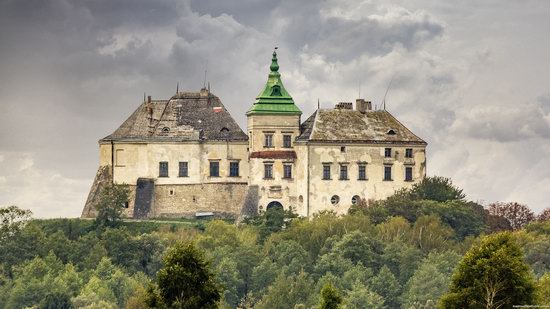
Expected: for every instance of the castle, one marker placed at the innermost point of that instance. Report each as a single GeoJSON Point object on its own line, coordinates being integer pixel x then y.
{"type": "Point", "coordinates": [187, 156]}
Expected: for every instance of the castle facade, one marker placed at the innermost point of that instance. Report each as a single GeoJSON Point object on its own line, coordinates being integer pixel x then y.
{"type": "Point", "coordinates": [187, 156]}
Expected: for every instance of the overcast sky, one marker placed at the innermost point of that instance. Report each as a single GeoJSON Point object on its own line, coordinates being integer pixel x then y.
{"type": "Point", "coordinates": [472, 78]}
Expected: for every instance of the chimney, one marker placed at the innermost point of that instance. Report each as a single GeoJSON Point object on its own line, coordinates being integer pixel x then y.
{"type": "Point", "coordinates": [363, 106]}
{"type": "Point", "coordinates": [344, 105]}
{"type": "Point", "coordinates": [149, 99]}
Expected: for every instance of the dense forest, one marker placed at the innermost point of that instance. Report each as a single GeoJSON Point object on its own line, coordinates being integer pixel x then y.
{"type": "Point", "coordinates": [425, 247]}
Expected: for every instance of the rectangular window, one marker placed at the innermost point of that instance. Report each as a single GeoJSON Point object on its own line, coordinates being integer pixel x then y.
{"type": "Point", "coordinates": [287, 169]}
{"type": "Point", "coordinates": [387, 152]}
{"type": "Point", "coordinates": [326, 172]}
{"type": "Point", "coordinates": [268, 141]}
{"type": "Point", "coordinates": [408, 173]}
{"type": "Point", "coordinates": [184, 169]}
{"type": "Point", "coordinates": [408, 153]}
{"type": "Point", "coordinates": [387, 173]}
{"type": "Point", "coordinates": [214, 169]}
{"type": "Point", "coordinates": [287, 141]}
{"type": "Point", "coordinates": [234, 169]}
{"type": "Point", "coordinates": [362, 172]}
{"type": "Point", "coordinates": [119, 157]}
{"type": "Point", "coordinates": [343, 172]}
{"type": "Point", "coordinates": [268, 171]}
{"type": "Point", "coordinates": [163, 169]}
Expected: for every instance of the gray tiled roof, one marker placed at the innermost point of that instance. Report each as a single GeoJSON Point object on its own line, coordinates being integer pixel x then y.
{"type": "Point", "coordinates": [346, 125]}
{"type": "Point", "coordinates": [187, 116]}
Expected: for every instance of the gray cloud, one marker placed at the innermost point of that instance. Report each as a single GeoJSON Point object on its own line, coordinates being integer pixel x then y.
{"type": "Point", "coordinates": [506, 124]}
{"type": "Point", "coordinates": [72, 71]}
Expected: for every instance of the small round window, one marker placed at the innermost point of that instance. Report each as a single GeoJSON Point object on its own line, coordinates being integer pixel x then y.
{"type": "Point", "coordinates": [335, 199]}
{"type": "Point", "coordinates": [166, 129]}
{"type": "Point", "coordinates": [355, 199]}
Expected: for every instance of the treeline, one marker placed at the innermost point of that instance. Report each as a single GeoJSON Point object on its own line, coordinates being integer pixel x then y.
{"type": "Point", "coordinates": [417, 249]}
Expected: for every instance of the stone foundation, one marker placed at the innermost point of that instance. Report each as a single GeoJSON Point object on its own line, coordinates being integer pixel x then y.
{"type": "Point", "coordinates": [223, 199]}
{"type": "Point", "coordinates": [102, 178]}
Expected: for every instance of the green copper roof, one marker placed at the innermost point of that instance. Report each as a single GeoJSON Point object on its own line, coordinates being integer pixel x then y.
{"type": "Point", "coordinates": [274, 99]}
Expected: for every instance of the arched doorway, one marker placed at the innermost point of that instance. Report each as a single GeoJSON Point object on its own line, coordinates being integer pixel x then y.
{"type": "Point", "coordinates": [274, 205]}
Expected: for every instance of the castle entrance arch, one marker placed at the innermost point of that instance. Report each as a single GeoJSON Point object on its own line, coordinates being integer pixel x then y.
{"type": "Point", "coordinates": [274, 205]}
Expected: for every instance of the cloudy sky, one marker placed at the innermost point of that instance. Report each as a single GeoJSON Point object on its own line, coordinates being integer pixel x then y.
{"type": "Point", "coordinates": [471, 77]}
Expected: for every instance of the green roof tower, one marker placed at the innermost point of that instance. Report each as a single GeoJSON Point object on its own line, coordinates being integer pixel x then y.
{"type": "Point", "coordinates": [274, 99]}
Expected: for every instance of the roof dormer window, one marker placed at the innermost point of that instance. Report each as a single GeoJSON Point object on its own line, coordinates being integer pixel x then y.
{"type": "Point", "coordinates": [276, 90]}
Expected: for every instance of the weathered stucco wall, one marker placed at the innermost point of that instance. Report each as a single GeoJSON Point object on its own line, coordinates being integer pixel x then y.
{"type": "Point", "coordinates": [278, 188]}
{"type": "Point", "coordinates": [375, 187]}
{"type": "Point", "coordinates": [140, 160]}
{"type": "Point", "coordinates": [258, 125]}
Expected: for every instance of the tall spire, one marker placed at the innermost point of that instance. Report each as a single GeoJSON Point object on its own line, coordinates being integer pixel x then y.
{"type": "Point", "coordinates": [274, 65]}
{"type": "Point", "coordinates": [274, 99]}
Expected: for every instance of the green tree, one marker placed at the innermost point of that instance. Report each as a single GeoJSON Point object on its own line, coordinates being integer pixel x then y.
{"type": "Point", "coordinates": [492, 274]}
{"type": "Point", "coordinates": [430, 233]}
{"type": "Point", "coordinates": [356, 274]}
{"type": "Point", "coordinates": [395, 229]}
{"type": "Point", "coordinates": [229, 278]}
{"type": "Point", "coordinates": [362, 297]}
{"type": "Point", "coordinates": [402, 259]}
{"type": "Point", "coordinates": [543, 290]}
{"type": "Point", "coordinates": [263, 275]}
{"type": "Point", "coordinates": [435, 188]}
{"type": "Point", "coordinates": [386, 285]}
{"type": "Point", "coordinates": [359, 247]}
{"type": "Point", "coordinates": [12, 220]}
{"type": "Point", "coordinates": [287, 292]}
{"type": "Point", "coordinates": [22, 246]}
{"type": "Point", "coordinates": [56, 300]}
{"type": "Point", "coordinates": [427, 283]}
{"type": "Point", "coordinates": [110, 206]}
{"type": "Point", "coordinates": [185, 280]}
{"type": "Point", "coordinates": [330, 297]}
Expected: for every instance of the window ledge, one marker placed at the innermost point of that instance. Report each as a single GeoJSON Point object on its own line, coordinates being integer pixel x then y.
{"type": "Point", "coordinates": [387, 179]}
{"type": "Point", "coordinates": [362, 179]}
{"type": "Point", "coordinates": [183, 176]}
{"type": "Point", "coordinates": [343, 179]}
{"type": "Point", "coordinates": [234, 176]}
{"type": "Point", "coordinates": [327, 178]}
{"type": "Point", "coordinates": [163, 176]}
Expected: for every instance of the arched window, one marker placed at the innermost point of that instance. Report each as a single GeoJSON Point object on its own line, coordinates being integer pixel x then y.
{"type": "Point", "coordinates": [165, 130]}
{"type": "Point", "coordinates": [274, 205]}
{"type": "Point", "coordinates": [391, 132]}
